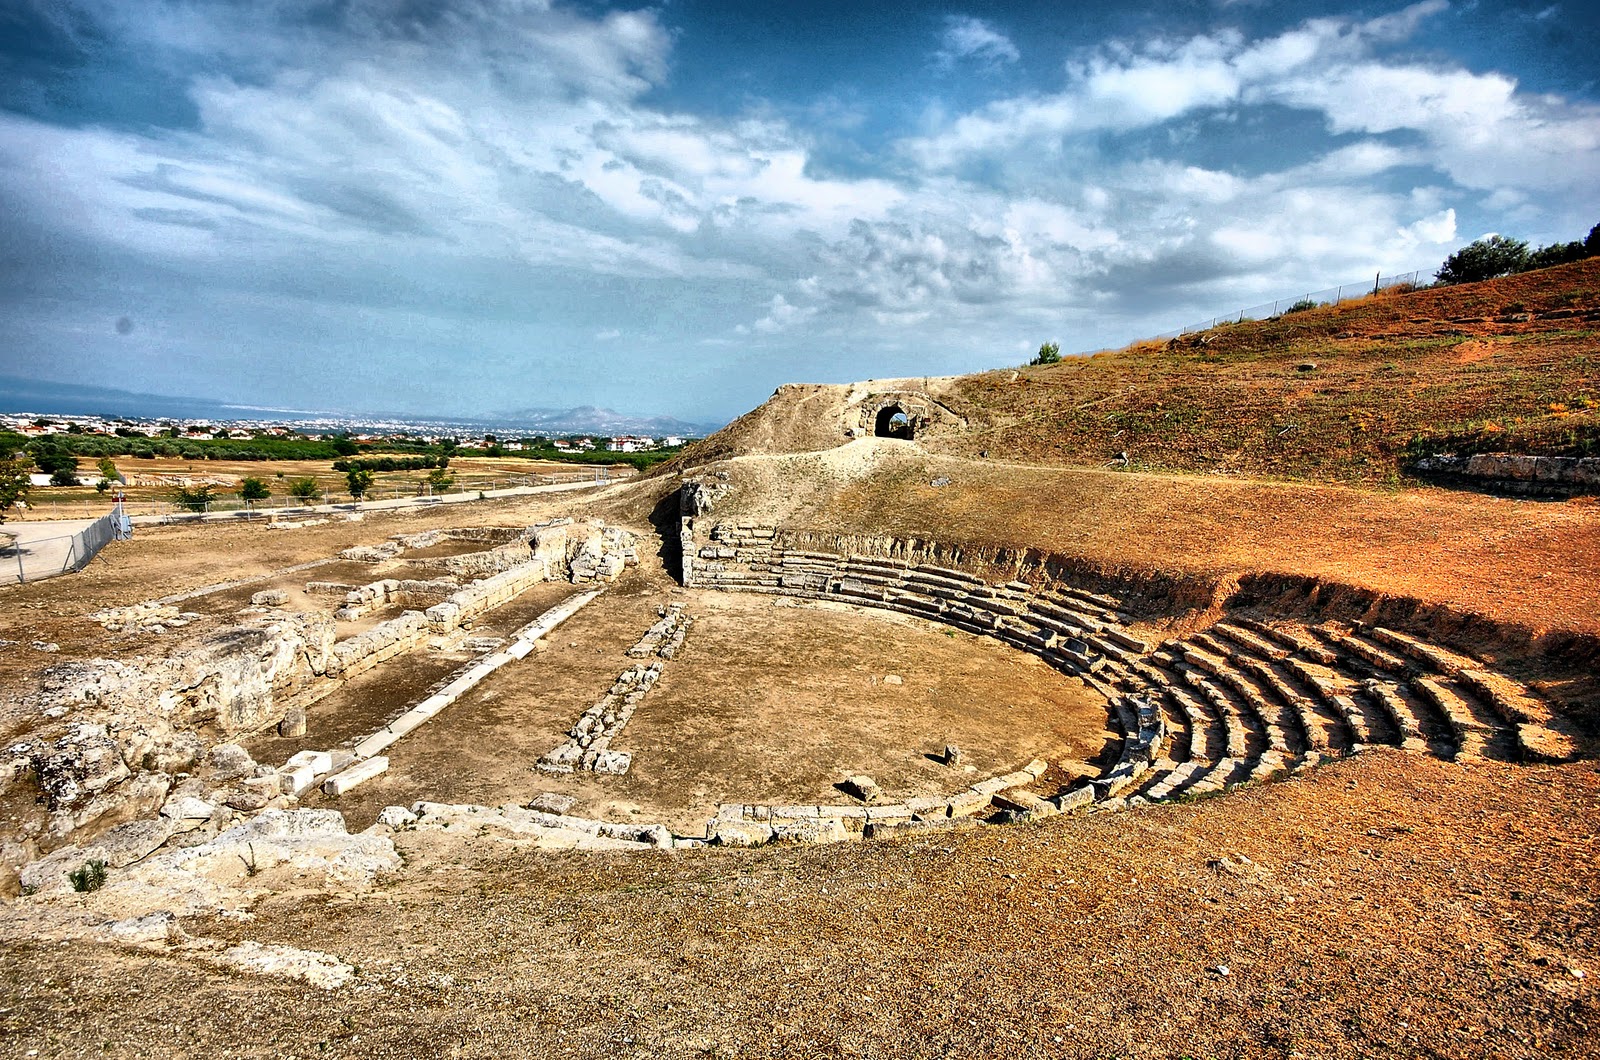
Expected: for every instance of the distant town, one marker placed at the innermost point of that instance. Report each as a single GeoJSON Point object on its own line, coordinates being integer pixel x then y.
{"type": "Point", "coordinates": [365, 432]}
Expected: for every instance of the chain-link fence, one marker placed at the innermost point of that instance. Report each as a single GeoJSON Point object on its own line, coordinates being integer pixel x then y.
{"type": "Point", "coordinates": [1309, 300]}
{"type": "Point", "coordinates": [25, 558]}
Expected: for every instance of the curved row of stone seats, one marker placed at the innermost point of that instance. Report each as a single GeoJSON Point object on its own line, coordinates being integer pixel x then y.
{"type": "Point", "coordinates": [1242, 700]}
{"type": "Point", "coordinates": [1473, 726]}
{"type": "Point", "coordinates": [1274, 696]}
{"type": "Point", "coordinates": [1541, 734]}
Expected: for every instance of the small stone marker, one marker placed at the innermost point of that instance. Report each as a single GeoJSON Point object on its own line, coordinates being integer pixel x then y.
{"type": "Point", "coordinates": [862, 787]}
{"type": "Point", "coordinates": [293, 723]}
{"type": "Point", "coordinates": [552, 802]}
{"type": "Point", "coordinates": [952, 755]}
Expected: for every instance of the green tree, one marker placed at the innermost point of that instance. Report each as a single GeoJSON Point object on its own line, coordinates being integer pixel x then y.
{"type": "Point", "coordinates": [108, 469]}
{"type": "Point", "coordinates": [439, 480]}
{"type": "Point", "coordinates": [1557, 254]}
{"type": "Point", "coordinates": [64, 477]}
{"type": "Point", "coordinates": [50, 458]}
{"type": "Point", "coordinates": [1591, 245]}
{"type": "Point", "coordinates": [253, 489]}
{"type": "Point", "coordinates": [305, 489]}
{"type": "Point", "coordinates": [1049, 353]}
{"type": "Point", "coordinates": [14, 482]}
{"type": "Point", "coordinates": [358, 481]}
{"type": "Point", "coordinates": [344, 445]}
{"type": "Point", "coordinates": [1484, 259]}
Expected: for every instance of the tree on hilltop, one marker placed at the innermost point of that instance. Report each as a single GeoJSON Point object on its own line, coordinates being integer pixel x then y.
{"type": "Point", "coordinates": [1484, 259]}
{"type": "Point", "coordinates": [1049, 353]}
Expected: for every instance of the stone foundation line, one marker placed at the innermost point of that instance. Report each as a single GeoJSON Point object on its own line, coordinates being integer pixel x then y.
{"type": "Point", "coordinates": [365, 761]}
{"type": "Point", "coordinates": [588, 743]}
{"type": "Point", "coordinates": [743, 825]}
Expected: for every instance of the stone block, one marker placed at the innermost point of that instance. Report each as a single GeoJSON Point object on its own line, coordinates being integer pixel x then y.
{"type": "Point", "coordinates": [293, 723]}
{"type": "Point", "coordinates": [375, 744]}
{"type": "Point", "coordinates": [738, 833]}
{"type": "Point", "coordinates": [396, 817]}
{"type": "Point", "coordinates": [862, 787]}
{"type": "Point", "coordinates": [813, 830]}
{"type": "Point", "coordinates": [321, 762]}
{"type": "Point", "coordinates": [297, 780]}
{"type": "Point", "coordinates": [270, 598]}
{"type": "Point", "coordinates": [358, 773]}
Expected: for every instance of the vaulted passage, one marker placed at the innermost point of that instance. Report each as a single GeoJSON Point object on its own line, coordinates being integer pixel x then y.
{"type": "Point", "coordinates": [892, 422]}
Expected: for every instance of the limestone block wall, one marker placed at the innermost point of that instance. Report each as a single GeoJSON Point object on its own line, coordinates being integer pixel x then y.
{"type": "Point", "coordinates": [1516, 473]}
{"type": "Point", "coordinates": [465, 605]}
{"type": "Point", "coordinates": [362, 652]}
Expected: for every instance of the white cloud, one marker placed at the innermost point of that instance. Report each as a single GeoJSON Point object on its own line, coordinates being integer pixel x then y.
{"type": "Point", "coordinates": [461, 163]}
{"type": "Point", "coordinates": [781, 315]}
{"type": "Point", "coordinates": [972, 39]}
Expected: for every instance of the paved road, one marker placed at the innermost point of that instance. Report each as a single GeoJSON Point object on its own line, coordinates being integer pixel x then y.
{"type": "Point", "coordinates": [42, 548]}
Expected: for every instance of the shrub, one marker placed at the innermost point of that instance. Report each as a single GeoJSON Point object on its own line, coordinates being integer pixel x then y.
{"type": "Point", "coordinates": [193, 498]}
{"type": "Point", "coordinates": [305, 489]}
{"type": "Point", "coordinates": [1049, 353]}
{"type": "Point", "coordinates": [1301, 306]}
{"type": "Point", "coordinates": [253, 489]}
{"type": "Point", "coordinates": [90, 876]}
{"type": "Point", "coordinates": [64, 477]}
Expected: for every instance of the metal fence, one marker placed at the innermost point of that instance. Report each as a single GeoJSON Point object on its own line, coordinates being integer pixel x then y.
{"type": "Point", "coordinates": [1328, 296]}
{"type": "Point", "coordinates": [30, 559]}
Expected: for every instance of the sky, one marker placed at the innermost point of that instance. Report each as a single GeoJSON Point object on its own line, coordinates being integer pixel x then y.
{"type": "Point", "coordinates": [468, 207]}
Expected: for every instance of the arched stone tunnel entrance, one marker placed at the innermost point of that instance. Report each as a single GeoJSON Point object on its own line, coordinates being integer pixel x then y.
{"type": "Point", "coordinates": [893, 422]}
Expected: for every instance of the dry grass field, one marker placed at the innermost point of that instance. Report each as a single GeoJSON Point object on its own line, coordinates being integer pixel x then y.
{"type": "Point", "coordinates": [471, 473]}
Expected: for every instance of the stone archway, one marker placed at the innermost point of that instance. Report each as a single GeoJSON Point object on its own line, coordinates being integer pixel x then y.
{"type": "Point", "coordinates": [893, 421]}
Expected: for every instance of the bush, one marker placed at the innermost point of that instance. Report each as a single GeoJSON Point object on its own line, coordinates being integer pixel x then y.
{"type": "Point", "coordinates": [1484, 259]}
{"type": "Point", "coordinates": [193, 498]}
{"type": "Point", "coordinates": [1049, 353]}
{"type": "Point", "coordinates": [64, 477]}
{"type": "Point", "coordinates": [253, 489]}
{"type": "Point", "coordinates": [1301, 306]}
{"type": "Point", "coordinates": [305, 489]}
{"type": "Point", "coordinates": [90, 876]}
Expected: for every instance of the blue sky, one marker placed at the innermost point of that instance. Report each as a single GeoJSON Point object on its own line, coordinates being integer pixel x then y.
{"type": "Point", "coordinates": [462, 208]}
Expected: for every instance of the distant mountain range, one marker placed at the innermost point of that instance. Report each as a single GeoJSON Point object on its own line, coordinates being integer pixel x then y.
{"type": "Point", "coordinates": [46, 397]}
{"type": "Point", "coordinates": [587, 419]}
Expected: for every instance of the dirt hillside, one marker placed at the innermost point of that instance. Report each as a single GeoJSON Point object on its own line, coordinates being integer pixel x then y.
{"type": "Point", "coordinates": [1334, 394]}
